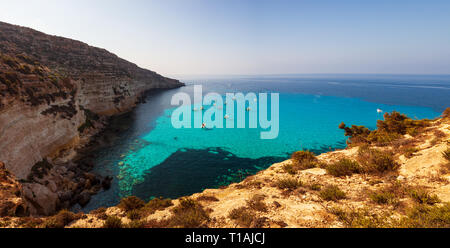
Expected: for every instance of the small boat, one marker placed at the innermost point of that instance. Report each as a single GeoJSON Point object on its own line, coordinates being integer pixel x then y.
{"type": "Point", "coordinates": [249, 109]}
{"type": "Point", "coordinates": [226, 117]}
{"type": "Point", "coordinates": [379, 111]}
{"type": "Point", "coordinates": [203, 125]}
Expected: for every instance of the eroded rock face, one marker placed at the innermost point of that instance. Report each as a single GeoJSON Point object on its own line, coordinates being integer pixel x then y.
{"type": "Point", "coordinates": [49, 89]}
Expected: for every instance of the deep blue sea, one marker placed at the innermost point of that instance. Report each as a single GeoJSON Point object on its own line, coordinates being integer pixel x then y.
{"type": "Point", "coordinates": [149, 158]}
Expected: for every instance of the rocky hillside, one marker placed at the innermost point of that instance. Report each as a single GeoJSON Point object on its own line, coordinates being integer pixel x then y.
{"type": "Point", "coordinates": [54, 93]}
{"type": "Point", "coordinates": [395, 176]}
{"type": "Point", "coordinates": [46, 85]}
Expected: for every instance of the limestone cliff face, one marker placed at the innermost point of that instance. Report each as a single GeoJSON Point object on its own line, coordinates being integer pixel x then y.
{"type": "Point", "coordinates": [48, 84]}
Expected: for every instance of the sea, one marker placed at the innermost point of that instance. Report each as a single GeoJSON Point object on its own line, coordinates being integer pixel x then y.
{"type": "Point", "coordinates": [148, 157]}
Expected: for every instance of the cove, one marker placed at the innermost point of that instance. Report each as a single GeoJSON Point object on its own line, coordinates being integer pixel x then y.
{"type": "Point", "coordinates": [149, 158]}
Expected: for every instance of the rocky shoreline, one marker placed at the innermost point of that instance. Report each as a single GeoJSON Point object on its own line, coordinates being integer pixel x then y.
{"type": "Point", "coordinates": [56, 94]}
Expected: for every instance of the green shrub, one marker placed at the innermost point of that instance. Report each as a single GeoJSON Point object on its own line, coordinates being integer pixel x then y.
{"type": "Point", "coordinates": [303, 160]}
{"type": "Point", "coordinates": [188, 214]}
{"type": "Point", "coordinates": [242, 216]}
{"type": "Point", "coordinates": [422, 196]}
{"type": "Point", "coordinates": [131, 203]}
{"type": "Point", "coordinates": [113, 222]}
{"type": "Point", "coordinates": [383, 197]}
{"type": "Point", "coordinates": [288, 184]}
{"type": "Point", "coordinates": [344, 167]}
{"type": "Point", "coordinates": [332, 193]}
{"type": "Point", "coordinates": [393, 127]}
{"type": "Point", "coordinates": [376, 161]}
{"type": "Point", "coordinates": [356, 134]}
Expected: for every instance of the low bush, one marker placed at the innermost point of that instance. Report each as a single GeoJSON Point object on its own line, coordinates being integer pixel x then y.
{"type": "Point", "coordinates": [303, 160]}
{"type": "Point", "coordinates": [376, 161]}
{"type": "Point", "coordinates": [288, 184]}
{"type": "Point", "coordinates": [383, 197]}
{"type": "Point", "coordinates": [113, 222]}
{"type": "Point", "coordinates": [61, 219]}
{"type": "Point", "coordinates": [332, 193]}
{"type": "Point", "coordinates": [131, 203]}
{"type": "Point", "coordinates": [134, 214]}
{"type": "Point", "coordinates": [344, 167]}
{"type": "Point", "coordinates": [315, 187]}
{"type": "Point", "coordinates": [422, 196]}
{"type": "Point", "coordinates": [188, 214]}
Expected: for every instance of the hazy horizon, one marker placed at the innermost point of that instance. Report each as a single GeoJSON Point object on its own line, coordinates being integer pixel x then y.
{"type": "Point", "coordinates": [250, 38]}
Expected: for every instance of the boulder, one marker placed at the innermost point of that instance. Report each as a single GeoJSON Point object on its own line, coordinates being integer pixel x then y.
{"type": "Point", "coordinates": [42, 199]}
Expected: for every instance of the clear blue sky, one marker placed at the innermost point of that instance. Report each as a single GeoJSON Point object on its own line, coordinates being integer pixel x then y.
{"type": "Point", "coordinates": [253, 37]}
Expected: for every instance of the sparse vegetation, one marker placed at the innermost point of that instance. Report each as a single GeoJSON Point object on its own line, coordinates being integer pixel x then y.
{"type": "Point", "coordinates": [288, 184]}
{"type": "Point", "coordinates": [362, 218]}
{"type": "Point", "coordinates": [332, 193]}
{"type": "Point", "coordinates": [424, 216]}
{"type": "Point", "coordinates": [343, 167]}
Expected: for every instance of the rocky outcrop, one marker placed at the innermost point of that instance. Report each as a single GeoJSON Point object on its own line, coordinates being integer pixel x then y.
{"type": "Point", "coordinates": [51, 86]}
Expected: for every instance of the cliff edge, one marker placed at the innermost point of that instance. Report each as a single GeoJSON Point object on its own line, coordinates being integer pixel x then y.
{"type": "Point", "coordinates": [50, 87]}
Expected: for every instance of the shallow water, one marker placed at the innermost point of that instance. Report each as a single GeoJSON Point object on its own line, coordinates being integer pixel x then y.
{"type": "Point", "coordinates": [149, 158]}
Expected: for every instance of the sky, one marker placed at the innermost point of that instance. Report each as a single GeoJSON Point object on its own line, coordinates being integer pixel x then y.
{"type": "Point", "coordinates": [251, 37]}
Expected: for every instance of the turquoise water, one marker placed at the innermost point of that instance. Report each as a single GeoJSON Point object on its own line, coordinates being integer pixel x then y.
{"type": "Point", "coordinates": [151, 158]}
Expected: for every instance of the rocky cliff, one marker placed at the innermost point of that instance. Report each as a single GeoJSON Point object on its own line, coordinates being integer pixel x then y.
{"type": "Point", "coordinates": [49, 88]}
